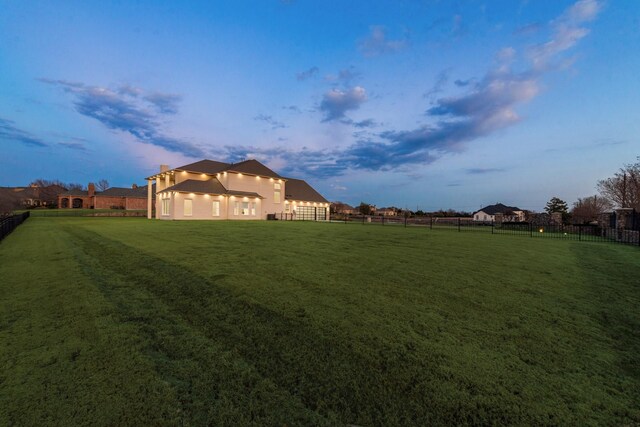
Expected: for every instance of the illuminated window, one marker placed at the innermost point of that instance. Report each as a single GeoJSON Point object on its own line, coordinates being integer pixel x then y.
{"type": "Point", "coordinates": [287, 207]}
{"type": "Point", "coordinates": [245, 208]}
{"type": "Point", "coordinates": [216, 208]}
{"type": "Point", "coordinates": [165, 206]}
{"type": "Point", "coordinates": [276, 192]}
{"type": "Point", "coordinates": [188, 207]}
{"type": "Point", "coordinates": [252, 208]}
{"type": "Point", "coordinates": [236, 208]}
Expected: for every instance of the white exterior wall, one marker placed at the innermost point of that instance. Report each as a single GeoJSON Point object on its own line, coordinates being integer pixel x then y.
{"type": "Point", "coordinates": [480, 216]}
{"type": "Point", "coordinates": [202, 207]}
{"type": "Point", "coordinates": [261, 185]}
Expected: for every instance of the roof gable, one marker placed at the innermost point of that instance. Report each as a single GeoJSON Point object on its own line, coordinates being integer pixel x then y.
{"type": "Point", "coordinates": [205, 166]}
{"type": "Point", "coordinates": [298, 189]}
{"type": "Point", "coordinates": [252, 167]}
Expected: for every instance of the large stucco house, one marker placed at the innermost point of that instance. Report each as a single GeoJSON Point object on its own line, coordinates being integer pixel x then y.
{"type": "Point", "coordinates": [247, 190]}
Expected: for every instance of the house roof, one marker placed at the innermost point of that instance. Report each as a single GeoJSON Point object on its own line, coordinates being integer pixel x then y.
{"type": "Point", "coordinates": [210, 186]}
{"type": "Point", "coordinates": [498, 208]}
{"type": "Point", "coordinates": [74, 192]}
{"type": "Point", "coordinates": [124, 192]}
{"type": "Point", "coordinates": [252, 167]}
{"type": "Point", "coordinates": [113, 192]}
{"type": "Point", "coordinates": [205, 166]}
{"type": "Point", "coordinates": [212, 167]}
{"type": "Point", "coordinates": [298, 189]}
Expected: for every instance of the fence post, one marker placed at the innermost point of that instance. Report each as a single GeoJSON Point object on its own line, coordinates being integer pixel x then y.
{"type": "Point", "coordinates": [530, 229]}
{"type": "Point", "coordinates": [579, 232]}
{"type": "Point", "coordinates": [405, 222]}
{"type": "Point", "coordinates": [491, 226]}
{"type": "Point", "coordinates": [430, 223]}
{"type": "Point", "coordinates": [382, 219]}
{"type": "Point", "coordinates": [363, 219]}
{"type": "Point", "coordinates": [458, 224]}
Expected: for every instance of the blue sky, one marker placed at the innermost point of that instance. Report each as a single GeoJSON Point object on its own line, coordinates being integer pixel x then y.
{"type": "Point", "coordinates": [429, 104]}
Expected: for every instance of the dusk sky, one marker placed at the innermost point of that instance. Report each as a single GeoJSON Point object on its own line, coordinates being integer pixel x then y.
{"type": "Point", "coordinates": [428, 104]}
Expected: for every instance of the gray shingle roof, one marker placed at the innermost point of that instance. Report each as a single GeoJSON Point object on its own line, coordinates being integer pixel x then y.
{"type": "Point", "coordinates": [498, 208]}
{"type": "Point", "coordinates": [298, 189]}
{"type": "Point", "coordinates": [210, 186]}
{"type": "Point", "coordinates": [205, 166]}
{"type": "Point", "coordinates": [253, 167]}
{"type": "Point", "coordinates": [212, 167]}
{"type": "Point", "coordinates": [124, 192]}
{"type": "Point", "coordinates": [138, 192]}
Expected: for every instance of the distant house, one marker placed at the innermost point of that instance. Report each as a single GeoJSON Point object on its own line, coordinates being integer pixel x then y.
{"type": "Point", "coordinates": [507, 213]}
{"type": "Point", "coordinates": [32, 196]}
{"type": "Point", "coordinates": [342, 208]}
{"type": "Point", "coordinates": [247, 190]}
{"type": "Point", "coordinates": [390, 211]}
{"type": "Point", "coordinates": [134, 198]}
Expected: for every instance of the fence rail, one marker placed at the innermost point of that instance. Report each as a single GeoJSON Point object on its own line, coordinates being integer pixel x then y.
{"type": "Point", "coordinates": [9, 223]}
{"type": "Point", "coordinates": [579, 232]}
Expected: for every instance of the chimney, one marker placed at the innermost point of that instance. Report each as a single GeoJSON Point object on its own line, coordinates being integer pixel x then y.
{"type": "Point", "coordinates": [91, 189]}
{"type": "Point", "coordinates": [164, 168]}
{"type": "Point", "coordinates": [134, 186]}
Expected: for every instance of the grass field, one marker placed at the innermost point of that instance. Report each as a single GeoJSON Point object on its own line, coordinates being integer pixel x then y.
{"type": "Point", "coordinates": [125, 321]}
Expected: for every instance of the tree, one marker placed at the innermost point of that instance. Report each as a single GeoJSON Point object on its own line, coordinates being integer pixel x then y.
{"type": "Point", "coordinates": [74, 186]}
{"type": "Point", "coordinates": [102, 185]}
{"type": "Point", "coordinates": [40, 182]}
{"type": "Point", "coordinates": [364, 208]}
{"type": "Point", "coordinates": [557, 205]}
{"type": "Point", "coordinates": [589, 209]}
{"type": "Point", "coordinates": [623, 188]}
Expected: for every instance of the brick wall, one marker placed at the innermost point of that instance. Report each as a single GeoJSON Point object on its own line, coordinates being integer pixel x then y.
{"type": "Point", "coordinates": [136, 203]}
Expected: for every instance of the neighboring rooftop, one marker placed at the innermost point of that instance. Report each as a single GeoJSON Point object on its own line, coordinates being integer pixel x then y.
{"type": "Point", "coordinates": [138, 191]}
{"type": "Point", "coordinates": [498, 208]}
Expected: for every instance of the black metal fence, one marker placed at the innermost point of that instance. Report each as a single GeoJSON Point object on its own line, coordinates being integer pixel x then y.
{"type": "Point", "coordinates": [579, 232]}
{"type": "Point", "coordinates": [9, 223]}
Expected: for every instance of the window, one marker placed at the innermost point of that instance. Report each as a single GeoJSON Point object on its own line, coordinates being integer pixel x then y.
{"type": "Point", "coordinates": [287, 207]}
{"type": "Point", "coordinates": [236, 208]}
{"type": "Point", "coordinates": [245, 208]}
{"type": "Point", "coordinates": [252, 208]}
{"type": "Point", "coordinates": [216, 208]}
{"type": "Point", "coordinates": [276, 192]}
{"type": "Point", "coordinates": [165, 206]}
{"type": "Point", "coordinates": [188, 207]}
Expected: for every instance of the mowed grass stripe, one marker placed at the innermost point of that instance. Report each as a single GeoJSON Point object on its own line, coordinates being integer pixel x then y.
{"type": "Point", "coordinates": [323, 369]}
{"type": "Point", "coordinates": [358, 324]}
{"type": "Point", "coordinates": [213, 383]}
{"type": "Point", "coordinates": [66, 358]}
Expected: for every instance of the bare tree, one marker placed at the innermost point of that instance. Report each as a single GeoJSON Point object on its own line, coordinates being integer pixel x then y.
{"type": "Point", "coordinates": [623, 188]}
{"type": "Point", "coordinates": [102, 185]}
{"type": "Point", "coordinates": [589, 209]}
{"type": "Point", "coordinates": [75, 186]}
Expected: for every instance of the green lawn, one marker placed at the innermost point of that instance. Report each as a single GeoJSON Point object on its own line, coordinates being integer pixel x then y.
{"type": "Point", "coordinates": [125, 321]}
